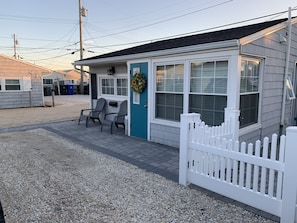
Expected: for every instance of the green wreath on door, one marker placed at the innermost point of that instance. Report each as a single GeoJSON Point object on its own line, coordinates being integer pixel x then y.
{"type": "Point", "coordinates": [138, 82]}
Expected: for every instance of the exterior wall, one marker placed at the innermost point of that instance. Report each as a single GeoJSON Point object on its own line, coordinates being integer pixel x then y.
{"type": "Point", "coordinates": [101, 71]}
{"type": "Point", "coordinates": [271, 50]}
{"type": "Point", "coordinates": [274, 53]}
{"type": "Point", "coordinates": [251, 137]}
{"type": "Point", "coordinates": [22, 99]}
{"type": "Point", "coordinates": [30, 95]}
{"type": "Point", "coordinates": [166, 135]}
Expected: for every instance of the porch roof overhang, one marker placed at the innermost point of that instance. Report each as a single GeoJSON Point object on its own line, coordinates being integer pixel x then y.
{"type": "Point", "coordinates": [222, 45]}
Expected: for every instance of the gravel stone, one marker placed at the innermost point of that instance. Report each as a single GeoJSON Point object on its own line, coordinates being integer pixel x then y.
{"type": "Point", "coordinates": [46, 178]}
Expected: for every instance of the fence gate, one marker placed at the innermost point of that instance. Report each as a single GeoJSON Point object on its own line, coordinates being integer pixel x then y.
{"type": "Point", "coordinates": [260, 175]}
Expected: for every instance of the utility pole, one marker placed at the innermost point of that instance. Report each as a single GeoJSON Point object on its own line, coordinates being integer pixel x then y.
{"type": "Point", "coordinates": [82, 13]}
{"type": "Point", "coordinates": [15, 42]}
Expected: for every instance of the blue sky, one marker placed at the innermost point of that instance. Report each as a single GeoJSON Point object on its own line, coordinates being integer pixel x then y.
{"type": "Point", "coordinates": [48, 31]}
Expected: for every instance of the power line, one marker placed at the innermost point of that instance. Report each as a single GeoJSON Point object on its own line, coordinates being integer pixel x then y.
{"type": "Point", "coordinates": [162, 21]}
{"type": "Point", "coordinates": [195, 32]}
{"type": "Point", "coordinates": [37, 19]}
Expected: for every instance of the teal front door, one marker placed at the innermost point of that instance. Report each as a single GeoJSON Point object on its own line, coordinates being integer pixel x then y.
{"type": "Point", "coordinates": [139, 104]}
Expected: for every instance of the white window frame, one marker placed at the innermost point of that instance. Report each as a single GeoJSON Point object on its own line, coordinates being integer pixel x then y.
{"type": "Point", "coordinates": [24, 82]}
{"type": "Point", "coordinates": [116, 84]}
{"type": "Point", "coordinates": [257, 124]}
{"type": "Point", "coordinates": [168, 92]}
{"type": "Point", "coordinates": [115, 92]}
{"type": "Point", "coordinates": [213, 92]}
{"type": "Point", "coordinates": [230, 56]}
{"type": "Point", "coordinates": [13, 79]}
{"type": "Point", "coordinates": [101, 84]}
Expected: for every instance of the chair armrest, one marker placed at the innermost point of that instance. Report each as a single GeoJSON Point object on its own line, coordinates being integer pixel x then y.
{"type": "Point", "coordinates": [83, 110]}
{"type": "Point", "coordinates": [110, 114]}
{"type": "Point", "coordinates": [120, 115]}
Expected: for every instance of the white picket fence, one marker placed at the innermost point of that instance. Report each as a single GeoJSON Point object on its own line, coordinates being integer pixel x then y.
{"type": "Point", "coordinates": [261, 175]}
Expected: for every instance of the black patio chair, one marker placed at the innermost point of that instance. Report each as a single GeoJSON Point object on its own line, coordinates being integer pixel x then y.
{"type": "Point", "coordinates": [92, 114]}
{"type": "Point", "coordinates": [119, 118]}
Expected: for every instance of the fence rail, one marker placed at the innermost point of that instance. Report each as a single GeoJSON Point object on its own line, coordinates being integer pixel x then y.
{"type": "Point", "coordinates": [256, 175]}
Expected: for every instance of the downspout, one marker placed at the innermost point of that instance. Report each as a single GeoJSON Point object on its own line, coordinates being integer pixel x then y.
{"type": "Point", "coordinates": [286, 72]}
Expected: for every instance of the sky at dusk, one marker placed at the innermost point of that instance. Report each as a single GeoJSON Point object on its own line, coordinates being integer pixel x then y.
{"type": "Point", "coordinates": [47, 32]}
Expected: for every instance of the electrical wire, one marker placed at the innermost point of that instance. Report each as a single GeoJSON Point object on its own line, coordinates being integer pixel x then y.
{"type": "Point", "coordinates": [197, 31]}
{"type": "Point", "coordinates": [71, 46]}
{"type": "Point", "coordinates": [37, 19]}
{"type": "Point", "coordinates": [162, 21]}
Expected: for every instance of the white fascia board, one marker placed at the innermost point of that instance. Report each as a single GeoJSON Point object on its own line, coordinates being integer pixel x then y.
{"type": "Point", "coordinates": [180, 50]}
{"type": "Point", "coordinates": [265, 32]}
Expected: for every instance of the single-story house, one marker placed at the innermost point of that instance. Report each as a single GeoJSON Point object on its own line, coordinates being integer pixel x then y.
{"type": "Point", "coordinates": [63, 80]}
{"type": "Point", "coordinates": [250, 69]}
{"type": "Point", "coordinates": [20, 83]}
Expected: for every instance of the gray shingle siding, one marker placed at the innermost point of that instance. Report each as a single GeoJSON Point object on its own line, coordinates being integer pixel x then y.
{"type": "Point", "coordinates": [23, 99]}
{"type": "Point", "coordinates": [274, 54]}
{"type": "Point", "coordinates": [166, 135]}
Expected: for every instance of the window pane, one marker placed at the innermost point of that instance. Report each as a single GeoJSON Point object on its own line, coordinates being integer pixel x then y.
{"type": "Point", "coordinates": [210, 77]}
{"type": "Point", "coordinates": [196, 69]}
{"type": "Point", "coordinates": [222, 69]}
{"type": "Point", "coordinates": [12, 85]}
{"type": "Point", "coordinates": [208, 69]}
{"type": "Point", "coordinates": [122, 87]}
{"type": "Point", "coordinates": [108, 86]}
{"type": "Point", "coordinates": [13, 82]}
{"type": "Point", "coordinates": [179, 78]}
{"type": "Point", "coordinates": [220, 86]}
{"type": "Point", "coordinates": [207, 85]}
{"type": "Point", "coordinates": [249, 79]}
{"type": "Point", "coordinates": [211, 107]}
{"type": "Point", "coordinates": [160, 76]}
{"type": "Point", "coordinates": [169, 82]}
{"type": "Point", "coordinates": [249, 85]}
{"type": "Point", "coordinates": [170, 78]}
{"type": "Point", "coordinates": [195, 85]}
{"type": "Point", "coordinates": [249, 109]}
{"type": "Point", "coordinates": [169, 106]}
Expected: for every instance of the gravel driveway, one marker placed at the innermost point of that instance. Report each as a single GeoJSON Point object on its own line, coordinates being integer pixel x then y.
{"type": "Point", "coordinates": [45, 178]}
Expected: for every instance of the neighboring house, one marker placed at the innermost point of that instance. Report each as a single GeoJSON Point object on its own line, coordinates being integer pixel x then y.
{"type": "Point", "coordinates": [248, 69]}
{"type": "Point", "coordinates": [73, 77]}
{"type": "Point", "coordinates": [62, 80]}
{"type": "Point", "coordinates": [20, 83]}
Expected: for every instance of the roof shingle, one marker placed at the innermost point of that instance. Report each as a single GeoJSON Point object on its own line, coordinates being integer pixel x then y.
{"type": "Point", "coordinates": [216, 36]}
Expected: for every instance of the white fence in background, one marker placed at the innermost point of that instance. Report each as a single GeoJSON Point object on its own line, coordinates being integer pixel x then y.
{"type": "Point", "coordinates": [261, 175]}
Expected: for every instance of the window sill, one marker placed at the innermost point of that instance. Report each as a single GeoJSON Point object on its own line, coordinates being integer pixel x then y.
{"type": "Point", "coordinates": [249, 129]}
{"type": "Point", "coordinates": [165, 122]}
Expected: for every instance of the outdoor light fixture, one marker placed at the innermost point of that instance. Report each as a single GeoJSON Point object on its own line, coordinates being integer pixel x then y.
{"type": "Point", "coordinates": [111, 71]}
{"type": "Point", "coordinates": [282, 39]}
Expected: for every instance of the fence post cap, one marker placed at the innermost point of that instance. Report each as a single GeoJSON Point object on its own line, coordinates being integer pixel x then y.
{"type": "Point", "coordinates": [291, 129]}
